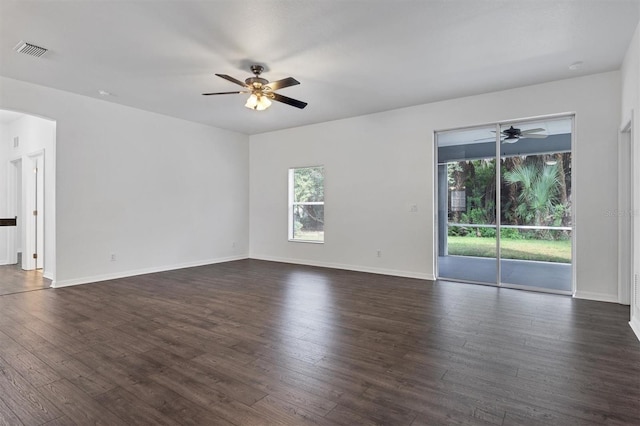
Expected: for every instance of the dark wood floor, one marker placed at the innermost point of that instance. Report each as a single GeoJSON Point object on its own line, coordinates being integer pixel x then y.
{"type": "Point", "coordinates": [253, 342]}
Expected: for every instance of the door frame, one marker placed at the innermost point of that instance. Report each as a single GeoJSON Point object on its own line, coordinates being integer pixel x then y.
{"type": "Point", "coordinates": [625, 212]}
{"type": "Point", "coordinates": [498, 125]}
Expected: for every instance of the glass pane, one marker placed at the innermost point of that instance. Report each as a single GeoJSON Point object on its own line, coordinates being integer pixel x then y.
{"type": "Point", "coordinates": [546, 245]}
{"type": "Point", "coordinates": [308, 222]}
{"type": "Point", "coordinates": [536, 205]}
{"type": "Point", "coordinates": [308, 184]}
{"type": "Point", "coordinates": [467, 205]}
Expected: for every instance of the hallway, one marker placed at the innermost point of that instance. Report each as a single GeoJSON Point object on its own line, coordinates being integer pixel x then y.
{"type": "Point", "coordinates": [14, 280]}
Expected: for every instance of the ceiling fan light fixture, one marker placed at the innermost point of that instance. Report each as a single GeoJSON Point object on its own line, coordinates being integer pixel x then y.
{"type": "Point", "coordinates": [258, 102]}
{"type": "Point", "coordinates": [263, 103]}
{"type": "Point", "coordinates": [252, 102]}
{"type": "Point", "coordinates": [511, 139]}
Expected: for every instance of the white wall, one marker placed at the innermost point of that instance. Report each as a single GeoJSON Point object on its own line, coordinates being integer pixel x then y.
{"type": "Point", "coordinates": [630, 73]}
{"type": "Point", "coordinates": [378, 165]}
{"type": "Point", "coordinates": [35, 135]}
{"type": "Point", "coordinates": [158, 192]}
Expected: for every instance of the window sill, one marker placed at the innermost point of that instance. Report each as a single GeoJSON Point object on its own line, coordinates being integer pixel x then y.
{"type": "Point", "coordinates": [306, 241]}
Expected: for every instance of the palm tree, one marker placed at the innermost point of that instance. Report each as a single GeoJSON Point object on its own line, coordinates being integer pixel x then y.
{"type": "Point", "coordinates": [538, 191]}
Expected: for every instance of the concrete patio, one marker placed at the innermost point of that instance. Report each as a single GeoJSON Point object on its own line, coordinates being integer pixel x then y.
{"type": "Point", "coordinates": [542, 276]}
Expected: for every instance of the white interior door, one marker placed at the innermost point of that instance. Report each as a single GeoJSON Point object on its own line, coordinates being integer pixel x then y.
{"type": "Point", "coordinates": [33, 190]}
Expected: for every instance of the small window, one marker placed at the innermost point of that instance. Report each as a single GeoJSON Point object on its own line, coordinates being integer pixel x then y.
{"type": "Point", "coordinates": [306, 204]}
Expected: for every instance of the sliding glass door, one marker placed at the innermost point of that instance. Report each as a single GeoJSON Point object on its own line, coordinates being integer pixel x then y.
{"type": "Point", "coordinates": [536, 225]}
{"type": "Point", "coordinates": [467, 205]}
{"type": "Point", "coordinates": [509, 225]}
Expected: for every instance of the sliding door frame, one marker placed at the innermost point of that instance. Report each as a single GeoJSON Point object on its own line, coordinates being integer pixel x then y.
{"type": "Point", "coordinates": [498, 125]}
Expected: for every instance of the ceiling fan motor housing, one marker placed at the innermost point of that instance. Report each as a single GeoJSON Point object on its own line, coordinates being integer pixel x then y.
{"type": "Point", "coordinates": [256, 82]}
{"type": "Point", "coordinates": [511, 132]}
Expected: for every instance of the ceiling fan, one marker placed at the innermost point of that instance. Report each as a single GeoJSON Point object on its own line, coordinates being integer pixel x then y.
{"type": "Point", "coordinates": [261, 90]}
{"type": "Point", "coordinates": [513, 135]}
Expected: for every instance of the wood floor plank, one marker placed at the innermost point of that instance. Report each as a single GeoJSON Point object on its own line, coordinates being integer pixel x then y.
{"type": "Point", "coordinates": [7, 417]}
{"type": "Point", "coordinates": [132, 410]}
{"type": "Point", "coordinates": [28, 365]}
{"type": "Point", "coordinates": [262, 343]}
{"type": "Point", "coordinates": [24, 400]}
{"type": "Point", "coordinates": [205, 396]}
{"type": "Point", "coordinates": [227, 383]}
{"type": "Point", "coordinates": [289, 413]}
{"type": "Point", "coordinates": [382, 411]}
{"type": "Point", "coordinates": [280, 385]}
{"type": "Point", "coordinates": [345, 416]}
{"type": "Point", "coordinates": [269, 372]}
{"type": "Point", "coordinates": [78, 406]}
{"type": "Point", "coordinates": [60, 421]}
{"type": "Point", "coordinates": [587, 409]}
{"type": "Point", "coordinates": [188, 413]}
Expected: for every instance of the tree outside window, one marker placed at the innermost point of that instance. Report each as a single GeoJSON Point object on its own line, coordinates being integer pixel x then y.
{"type": "Point", "coordinates": [306, 204]}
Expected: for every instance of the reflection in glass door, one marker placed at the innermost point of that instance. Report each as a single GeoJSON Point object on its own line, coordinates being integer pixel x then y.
{"type": "Point", "coordinates": [512, 226]}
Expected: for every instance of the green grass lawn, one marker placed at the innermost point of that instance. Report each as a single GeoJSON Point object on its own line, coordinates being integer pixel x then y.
{"type": "Point", "coordinates": [541, 250]}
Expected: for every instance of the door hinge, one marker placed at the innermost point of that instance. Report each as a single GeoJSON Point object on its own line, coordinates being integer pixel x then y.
{"type": "Point", "coordinates": [35, 212]}
{"type": "Point", "coordinates": [35, 255]}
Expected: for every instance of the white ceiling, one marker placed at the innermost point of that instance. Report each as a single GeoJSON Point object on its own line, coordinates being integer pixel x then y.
{"type": "Point", "coordinates": [351, 57]}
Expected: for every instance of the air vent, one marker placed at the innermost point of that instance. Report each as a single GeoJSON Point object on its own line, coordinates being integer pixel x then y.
{"type": "Point", "coordinates": [30, 49]}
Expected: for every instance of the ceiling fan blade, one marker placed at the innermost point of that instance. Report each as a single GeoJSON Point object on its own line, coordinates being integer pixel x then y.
{"type": "Point", "coordinates": [285, 82]}
{"type": "Point", "coordinates": [524, 132]}
{"type": "Point", "coordinates": [224, 93]}
{"type": "Point", "coordinates": [533, 136]}
{"type": "Point", "coordinates": [231, 79]}
{"type": "Point", "coordinates": [289, 101]}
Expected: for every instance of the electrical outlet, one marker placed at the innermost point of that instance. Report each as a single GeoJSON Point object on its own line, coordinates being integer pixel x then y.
{"type": "Point", "coordinates": [113, 257]}
{"type": "Point", "coordinates": [413, 208]}
{"type": "Point", "coordinates": [379, 253]}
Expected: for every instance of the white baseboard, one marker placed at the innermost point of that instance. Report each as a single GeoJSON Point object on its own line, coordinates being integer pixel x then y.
{"type": "Point", "coordinates": [381, 271]}
{"type": "Point", "coordinates": [635, 326]}
{"type": "Point", "coordinates": [5, 262]}
{"type": "Point", "coordinates": [125, 274]}
{"type": "Point", "coordinates": [600, 297]}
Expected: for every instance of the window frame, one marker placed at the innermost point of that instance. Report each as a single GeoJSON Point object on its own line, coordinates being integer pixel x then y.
{"type": "Point", "coordinates": [292, 204]}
